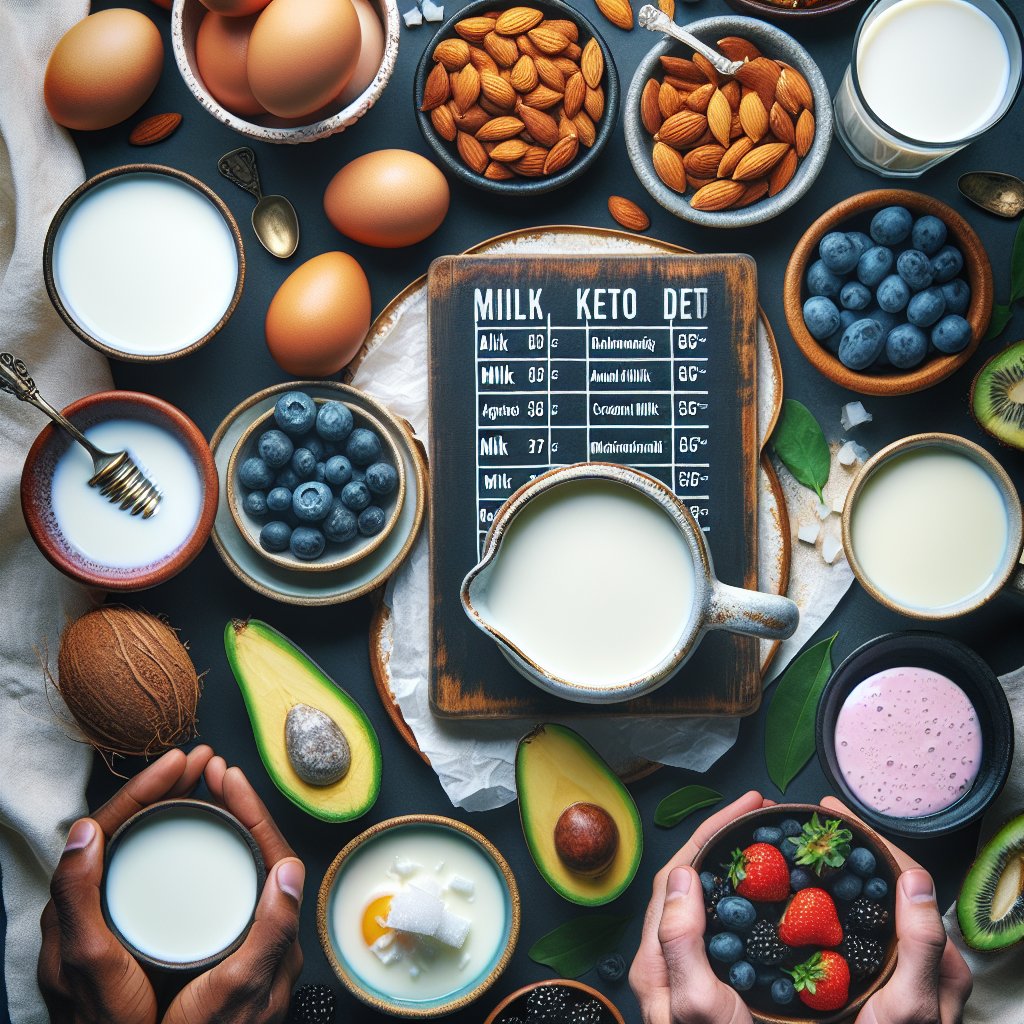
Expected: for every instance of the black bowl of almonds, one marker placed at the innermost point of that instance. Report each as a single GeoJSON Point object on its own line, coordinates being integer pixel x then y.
{"type": "Point", "coordinates": [517, 99]}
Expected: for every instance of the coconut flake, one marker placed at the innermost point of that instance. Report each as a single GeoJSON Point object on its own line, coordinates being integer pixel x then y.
{"type": "Point", "coordinates": [431, 11]}
{"type": "Point", "coordinates": [831, 546]}
{"type": "Point", "coordinates": [403, 868]}
{"type": "Point", "coordinates": [838, 504]}
{"type": "Point", "coordinates": [809, 532]}
{"type": "Point", "coordinates": [846, 454]}
{"type": "Point", "coordinates": [463, 886]}
{"type": "Point", "coordinates": [386, 952]}
{"type": "Point", "coordinates": [452, 930]}
{"type": "Point", "coordinates": [412, 17]}
{"type": "Point", "coordinates": [853, 415]}
{"type": "Point", "coordinates": [824, 511]}
{"type": "Point", "coordinates": [416, 911]}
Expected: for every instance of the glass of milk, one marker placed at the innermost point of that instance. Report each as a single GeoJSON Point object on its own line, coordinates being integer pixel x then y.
{"type": "Point", "coordinates": [927, 78]}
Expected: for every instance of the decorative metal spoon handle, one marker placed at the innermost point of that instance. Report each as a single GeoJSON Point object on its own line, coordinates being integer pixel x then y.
{"type": "Point", "coordinates": [239, 167]}
{"type": "Point", "coordinates": [655, 20]}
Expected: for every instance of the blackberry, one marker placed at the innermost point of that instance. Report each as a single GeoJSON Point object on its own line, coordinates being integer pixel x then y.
{"type": "Point", "coordinates": [611, 968]}
{"type": "Point", "coordinates": [864, 956]}
{"type": "Point", "coordinates": [311, 1004]}
{"type": "Point", "coordinates": [547, 1004]}
{"type": "Point", "coordinates": [865, 917]}
{"type": "Point", "coordinates": [764, 946]}
{"type": "Point", "coordinates": [587, 1012]}
{"type": "Point", "coordinates": [719, 890]}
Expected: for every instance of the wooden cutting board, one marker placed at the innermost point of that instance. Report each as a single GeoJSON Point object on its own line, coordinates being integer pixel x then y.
{"type": "Point", "coordinates": [538, 361]}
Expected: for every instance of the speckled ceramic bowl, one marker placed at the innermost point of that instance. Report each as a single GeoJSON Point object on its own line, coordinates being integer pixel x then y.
{"type": "Point", "coordinates": [772, 42]}
{"type": "Point", "coordinates": [185, 18]}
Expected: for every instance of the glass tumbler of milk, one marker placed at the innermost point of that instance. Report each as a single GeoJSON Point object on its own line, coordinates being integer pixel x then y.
{"type": "Point", "coordinates": [927, 78]}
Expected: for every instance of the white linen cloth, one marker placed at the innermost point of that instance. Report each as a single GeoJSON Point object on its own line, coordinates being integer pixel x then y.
{"type": "Point", "coordinates": [44, 771]}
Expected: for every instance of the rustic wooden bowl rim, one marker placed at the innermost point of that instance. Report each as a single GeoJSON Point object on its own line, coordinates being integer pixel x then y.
{"type": "Point", "coordinates": [578, 986]}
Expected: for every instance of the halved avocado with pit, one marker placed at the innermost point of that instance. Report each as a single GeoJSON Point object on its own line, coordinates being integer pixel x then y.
{"type": "Point", "coordinates": [275, 676]}
{"type": "Point", "coordinates": [990, 907]}
{"type": "Point", "coordinates": [557, 770]}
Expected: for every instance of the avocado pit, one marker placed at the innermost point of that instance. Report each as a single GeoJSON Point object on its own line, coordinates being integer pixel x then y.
{"type": "Point", "coordinates": [586, 839]}
{"type": "Point", "coordinates": [317, 748]}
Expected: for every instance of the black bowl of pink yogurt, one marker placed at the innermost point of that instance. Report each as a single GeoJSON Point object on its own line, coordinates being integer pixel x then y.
{"type": "Point", "coordinates": [915, 733]}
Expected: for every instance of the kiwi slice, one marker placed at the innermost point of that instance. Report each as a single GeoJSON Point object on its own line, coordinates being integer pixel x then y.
{"type": "Point", "coordinates": [997, 396]}
{"type": "Point", "coordinates": [990, 907]}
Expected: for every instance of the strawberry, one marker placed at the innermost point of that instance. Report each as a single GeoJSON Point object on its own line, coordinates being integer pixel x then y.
{"type": "Point", "coordinates": [823, 981]}
{"type": "Point", "coordinates": [822, 847]}
{"type": "Point", "coordinates": [760, 873]}
{"type": "Point", "coordinates": [811, 920]}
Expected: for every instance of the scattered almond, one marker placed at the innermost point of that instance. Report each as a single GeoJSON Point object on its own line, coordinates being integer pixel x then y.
{"type": "Point", "coordinates": [618, 12]}
{"type": "Point", "coordinates": [154, 129]}
{"type": "Point", "coordinates": [628, 214]}
{"type": "Point", "coordinates": [592, 64]}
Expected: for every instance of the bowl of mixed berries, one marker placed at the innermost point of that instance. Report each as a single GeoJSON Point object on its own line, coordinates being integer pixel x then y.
{"type": "Point", "coordinates": [799, 902]}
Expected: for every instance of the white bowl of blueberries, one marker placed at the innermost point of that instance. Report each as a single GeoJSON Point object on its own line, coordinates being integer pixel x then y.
{"type": "Point", "coordinates": [314, 483]}
{"type": "Point", "coordinates": [888, 292]}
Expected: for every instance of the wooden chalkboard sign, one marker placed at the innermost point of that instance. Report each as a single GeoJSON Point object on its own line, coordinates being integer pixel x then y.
{"type": "Point", "coordinates": [539, 361]}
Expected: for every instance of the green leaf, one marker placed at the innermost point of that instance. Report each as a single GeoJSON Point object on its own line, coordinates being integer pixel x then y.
{"type": "Point", "coordinates": [800, 443]}
{"type": "Point", "coordinates": [682, 803]}
{"type": "Point", "coordinates": [575, 947]}
{"type": "Point", "coordinates": [789, 725]}
{"type": "Point", "coordinates": [1017, 266]}
{"type": "Point", "coordinates": [1001, 316]}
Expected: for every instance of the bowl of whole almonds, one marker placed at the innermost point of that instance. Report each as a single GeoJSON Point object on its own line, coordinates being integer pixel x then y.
{"type": "Point", "coordinates": [735, 150]}
{"type": "Point", "coordinates": [517, 99]}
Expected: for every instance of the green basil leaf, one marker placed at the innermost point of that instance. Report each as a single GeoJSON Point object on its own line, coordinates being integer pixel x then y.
{"type": "Point", "coordinates": [789, 725]}
{"type": "Point", "coordinates": [1001, 316]}
{"type": "Point", "coordinates": [800, 443]}
{"type": "Point", "coordinates": [1017, 266]}
{"type": "Point", "coordinates": [682, 803]}
{"type": "Point", "coordinates": [575, 947]}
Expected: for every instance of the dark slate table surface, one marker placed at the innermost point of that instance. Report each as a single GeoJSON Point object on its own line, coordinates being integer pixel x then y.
{"type": "Point", "coordinates": [209, 383]}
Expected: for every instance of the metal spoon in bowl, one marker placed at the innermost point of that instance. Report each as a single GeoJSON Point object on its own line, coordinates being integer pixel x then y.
{"type": "Point", "coordinates": [658, 21]}
{"type": "Point", "coordinates": [274, 219]}
{"type": "Point", "coordinates": [118, 478]}
{"type": "Point", "coordinates": [999, 193]}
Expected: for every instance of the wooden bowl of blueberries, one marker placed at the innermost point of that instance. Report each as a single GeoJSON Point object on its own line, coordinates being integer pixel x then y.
{"type": "Point", "coordinates": [315, 484]}
{"type": "Point", "coordinates": [800, 912]}
{"type": "Point", "coordinates": [888, 292]}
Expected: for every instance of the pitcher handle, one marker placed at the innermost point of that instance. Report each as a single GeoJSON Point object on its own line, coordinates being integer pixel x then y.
{"type": "Point", "coordinates": [752, 613]}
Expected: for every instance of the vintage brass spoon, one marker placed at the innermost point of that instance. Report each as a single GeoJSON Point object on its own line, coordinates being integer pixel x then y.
{"type": "Point", "coordinates": [999, 193]}
{"type": "Point", "coordinates": [118, 478]}
{"type": "Point", "coordinates": [658, 21]}
{"type": "Point", "coordinates": [274, 219]}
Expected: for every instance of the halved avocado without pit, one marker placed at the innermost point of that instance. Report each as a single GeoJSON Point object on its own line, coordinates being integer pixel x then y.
{"type": "Point", "coordinates": [565, 787]}
{"type": "Point", "coordinates": [277, 678]}
{"type": "Point", "coordinates": [990, 907]}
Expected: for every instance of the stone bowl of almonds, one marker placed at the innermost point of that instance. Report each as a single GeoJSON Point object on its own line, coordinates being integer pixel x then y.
{"type": "Point", "coordinates": [728, 151]}
{"type": "Point", "coordinates": [517, 99]}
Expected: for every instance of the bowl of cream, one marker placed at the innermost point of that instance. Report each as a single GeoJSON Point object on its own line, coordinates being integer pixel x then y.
{"type": "Point", "coordinates": [92, 540]}
{"type": "Point", "coordinates": [915, 733]}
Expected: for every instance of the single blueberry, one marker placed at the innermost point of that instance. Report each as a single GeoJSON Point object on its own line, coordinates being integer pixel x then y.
{"type": "Point", "coordinates": [926, 307]}
{"type": "Point", "coordinates": [891, 225]}
{"type": "Point", "coordinates": [279, 499]}
{"type": "Point", "coordinates": [611, 967]}
{"type": "Point", "coordinates": [256, 504]}
{"type": "Point", "coordinates": [304, 463]}
{"type": "Point", "coordinates": [307, 543]}
{"type": "Point", "coordinates": [334, 421]}
{"type": "Point", "coordinates": [789, 851]}
{"type": "Point", "coordinates": [768, 834]}
{"type": "Point", "coordinates": [742, 976]}
{"type": "Point", "coordinates": [340, 525]}
{"type": "Point", "coordinates": [287, 478]}
{"type": "Point", "coordinates": [295, 413]}
{"type": "Point", "coordinates": [312, 501]}
{"type": "Point", "coordinates": [790, 827]}
{"type": "Point", "coordinates": [783, 992]}
{"type": "Point", "coordinates": [820, 316]}
{"type": "Point", "coordinates": [315, 445]}
{"type": "Point", "coordinates": [372, 520]}
{"type": "Point", "coordinates": [838, 253]}
{"type": "Point", "coordinates": [736, 913]}
{"type": "Point", "coordinates": [275, 536]}
{"type": "Point", "coordinates": [957, 294]}
{"type": "Point", "coordinates": [725, 947]}
{"type": "Point", "coordinates": [275, 448]}
{"type": "Point", "coordinates": [855, 296]}
{"type": "Point", "coordinates": [255, 473]}
{"type": "Point", "coordinates": [947, 263]}
{"type": "Point", "coordinates": [876, 888]}
{"type": "Point", "coordinates": [356, 495]}
{"type": "Point", "coordinates": [363, 447]}
{"type": "Point", "coordinates": [707, 883]}
{"type": "Point", "coordinates": [381, 478]}
{"type": "Point", "coordinates": [821, 281]}
{"type": "Point", "coordinates": [801, 878]}
{"type": "Point", "coordinates": [915, 268]}
{"type": "Point", "coordinates": [906, 346]}
{"type": "Point", "coordinates": [846, 886]}
{"type": "Point", "coordinates": [951, 334]}
{"type": "Point", "coordinates": [861, 861]}
{"type": "Point", "coordinates": [861, 241]}
{"type": "Point", "coordinates": [862, 341]}
{"type": "Point", "coordinates": [893, 294]}
{"type": "Point", "coordinates": [338, 470]}
{"type": "Point", "coordinates": [874, 265]}
{"type": "Point", "coordinates": [928, 234]}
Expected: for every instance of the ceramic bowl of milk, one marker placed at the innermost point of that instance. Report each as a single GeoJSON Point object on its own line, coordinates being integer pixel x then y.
{"type": "Point", "coordinates": [915, 733]}
{"type": "Point", "coordinates": [144, 263]}
{"type": "Point", "coordinates": [90, 539]}
{"type": "Point", "coordinates": [597, 585]}
{"type": "Point", "coordinates": [181, 884]}
{"type": "Point", "coordinates": [932, 527]}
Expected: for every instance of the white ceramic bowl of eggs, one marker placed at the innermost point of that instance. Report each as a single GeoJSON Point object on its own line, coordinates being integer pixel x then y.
{"type": "Point", "coordinates": [286, 70]}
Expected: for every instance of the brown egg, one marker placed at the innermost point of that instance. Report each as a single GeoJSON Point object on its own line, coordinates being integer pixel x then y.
{"type": "Point", "coordinates": [371, 52]}
{"type": "Point", "coordinates": [302, 53]}
{"type": "Point", "coordinates": [103, 69]}
{"type": "Point", "coordinates": [319, 316]}
{"type": "Point", "coordinates": [221, 48]}
{"type": "Point", "coordinates": [235, 8]}
{"type": "Point", "coordinates": [389, 198]}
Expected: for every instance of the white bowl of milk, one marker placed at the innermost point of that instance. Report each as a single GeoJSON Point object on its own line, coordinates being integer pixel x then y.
{"type": "Point", "coordinates": [597, 585]}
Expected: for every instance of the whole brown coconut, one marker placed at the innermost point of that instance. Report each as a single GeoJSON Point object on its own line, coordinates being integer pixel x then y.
{"type": "Point", "coordinates": [128, 681]}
